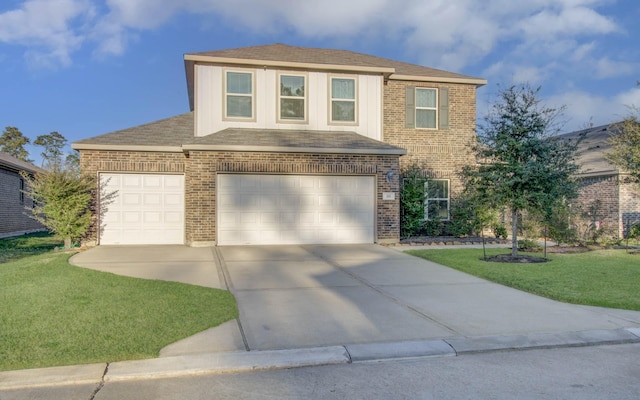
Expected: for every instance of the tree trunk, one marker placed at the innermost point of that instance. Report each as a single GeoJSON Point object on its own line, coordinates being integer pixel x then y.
{"type": "Point", "coordinates": [67, 243]}
{"type": "Point", "coordinates": [514, 233]}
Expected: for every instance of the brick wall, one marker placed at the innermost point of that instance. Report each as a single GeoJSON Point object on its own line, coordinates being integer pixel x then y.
{"type": "Point", "coordinates": [13, 215]}
{"type": "Point", "coordinates": [201, 167]}
{"type": "Point", "coordinates": [629, 205]}
{"type": "Point", "coordinates": [94, 161]}
{"type": "Point", "coordinates": [441, 152]}
{"type": "Point", "coordinates": [605, 189]}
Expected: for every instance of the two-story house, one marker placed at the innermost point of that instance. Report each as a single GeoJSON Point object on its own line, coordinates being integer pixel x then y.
{"type": "Point", "coordinates": [283, 145]}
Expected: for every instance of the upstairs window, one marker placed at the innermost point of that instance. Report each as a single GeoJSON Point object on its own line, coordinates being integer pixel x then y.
{"type": "Point", "coordinates": [239, 93]}
{"type": "Point", "coordinates": [436, 199]}
{"type": "Point", "coordinates": [293, 95]}
{"type": "Point", "coordinates": [426, 108]}
{"type": "Point", "coordinates": [343, 99]}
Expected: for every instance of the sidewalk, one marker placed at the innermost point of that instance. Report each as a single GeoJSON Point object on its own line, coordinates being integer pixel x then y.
{"type": "Point", "coordinates": [373, 303]}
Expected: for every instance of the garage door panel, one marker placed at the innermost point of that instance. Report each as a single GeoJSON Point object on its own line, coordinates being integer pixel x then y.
{"type": "Point", "coordinates": [146, 209]}
{"type": "Point", "coordinates": [152, 199]}
{"type": "Point", "coordinates": [295, 209]}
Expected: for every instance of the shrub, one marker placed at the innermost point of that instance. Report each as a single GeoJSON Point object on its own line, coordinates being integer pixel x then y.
{"type": "Point", "coordinates": [412, 201]}
{"type": "Point", "coordinates": [528, 245]}
{"type": "Point", "coordinates": [499, 230]}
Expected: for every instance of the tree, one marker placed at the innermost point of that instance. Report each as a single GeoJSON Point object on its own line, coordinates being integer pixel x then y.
{"type": "Point", "coordinates": [521, 165]}
{"type": "Point", "coordinates": [625, 145]}
{"type": "Point", "coordinates": [53, 144]}
{"type": "Point", "coordinates": [62, 201]}
{"type": "Point", "coordinates": [12, 142]}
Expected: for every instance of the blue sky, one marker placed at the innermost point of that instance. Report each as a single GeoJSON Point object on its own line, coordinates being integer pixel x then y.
{"type": "Point", "coordinates": [88, 67]}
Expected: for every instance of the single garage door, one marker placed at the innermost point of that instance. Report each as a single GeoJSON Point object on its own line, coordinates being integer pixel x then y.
{"type": "Point", "coordinates": [295, 209]}
{"type": "Point", "coordinates": [145, 209]}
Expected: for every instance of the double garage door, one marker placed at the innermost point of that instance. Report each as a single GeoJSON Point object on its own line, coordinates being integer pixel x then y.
{"type": "Point", "coordinates": [252, 209]}
{"type": "Point", "coordinates": [295, 209]}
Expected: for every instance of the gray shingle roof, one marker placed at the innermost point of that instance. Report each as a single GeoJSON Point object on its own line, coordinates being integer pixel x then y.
{"type": "Point", "coordinates": [168, 132]}
{"type": "Point", "coordinates": [177, 134]}
{"type": "Point", "coordinates": [286, 53]}
{"type": "Point", "coordinates": [592, 149]}
{"type": "Point", "coordinates": [8, 161]}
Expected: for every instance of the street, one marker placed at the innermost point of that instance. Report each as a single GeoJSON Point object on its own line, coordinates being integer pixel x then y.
{"type": "Point", "coordinates": [601, 372]}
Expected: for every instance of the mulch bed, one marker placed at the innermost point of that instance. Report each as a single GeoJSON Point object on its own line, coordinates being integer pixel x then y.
{"type": "Point", "coordinates": [449, 240]}
{"type": "Point", "coordinates": [522, 259]}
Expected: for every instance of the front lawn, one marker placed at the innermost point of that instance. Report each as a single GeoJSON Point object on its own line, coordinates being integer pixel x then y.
{"type": "Point", "coordinates": [54, 314]}
{"type": "Point", "coordinates": [16, 247]}
{"type": "Point", "coordinates": [604, 278]}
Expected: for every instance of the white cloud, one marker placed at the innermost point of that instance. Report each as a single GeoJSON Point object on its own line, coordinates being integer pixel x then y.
{"type": "Point", "coordinates": [43, 27]}
{"type": "Point", "coordinates": [583, 108]}
{"type": "Point", "coordinates": [630, 98]}
{"type": "Point", "coordinates": [450, 34]}
{"type": "Point", "coordinates": [606, 68]}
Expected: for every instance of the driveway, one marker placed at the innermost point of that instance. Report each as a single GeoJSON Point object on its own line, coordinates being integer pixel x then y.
{"type": "Point", "coordinates": [319, 295]}
{"type": "Point", "coordinates": [305, 296]}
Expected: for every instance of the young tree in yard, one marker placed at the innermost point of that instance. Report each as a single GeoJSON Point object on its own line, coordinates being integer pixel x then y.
{"type": "Point", "coordinates": [53, 144]}
{"type": "Point", "coordinates": [62, 199]}
{"type": "Point", "coordinates": [625, 145]}
{"type": "Point", "coordinates": [12, 142]}
{"type": "Point", "coordinates": [521, 165]}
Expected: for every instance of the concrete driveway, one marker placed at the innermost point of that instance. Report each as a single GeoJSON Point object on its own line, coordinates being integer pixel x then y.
{"type": "Point", "coordinates": [304, 296]}
{"type": "Point", "coordinates": [319, 295]}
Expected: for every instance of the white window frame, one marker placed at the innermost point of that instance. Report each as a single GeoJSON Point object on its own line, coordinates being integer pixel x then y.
{"type": "Point", "coordinates": [252, 95]}
{"type": "Point", "coordinates": [428, 200]}
{"type": "Point", "coordinates": [304, 98]}
{"type": "Point", "coordinates": [354, 78]}
{"type": "Point", "coordinates": [434, 108]}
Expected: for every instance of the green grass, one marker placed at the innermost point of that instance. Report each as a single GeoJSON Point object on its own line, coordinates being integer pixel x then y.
{"type": "Point", "coordinates": [53, 313]}
{"type": "Point", "coordinates": [604, 278]}
{"type": "Point", "coordinates": [14, 248]}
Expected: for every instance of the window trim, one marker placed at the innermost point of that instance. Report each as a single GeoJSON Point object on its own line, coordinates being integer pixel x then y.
{"type": "Point", "coordinates": [225, 117]}
{"type": "Point", "coordinates": [305, 98]}
{"type": "Point", "coordinates": [21, 188]}
{"type": "Point", "coordinates": [330, 79]}
{"type": "Point", "coordinates": [435, 108]}
{"type": "Point", "coordinates": [428, 199]}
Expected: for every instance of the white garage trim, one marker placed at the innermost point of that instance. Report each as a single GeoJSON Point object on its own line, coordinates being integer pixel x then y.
{"type": "Point", "coordinates": [145, 209]}
{"type": "Point", "coordinates": [295, 209]}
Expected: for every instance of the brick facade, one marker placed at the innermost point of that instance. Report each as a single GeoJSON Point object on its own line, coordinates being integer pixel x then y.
{"type": "Point", "coordinates": [201, 167]}
{"type": "Point", "coordinates": [619, 202]}
{"type": "Point", "coordinates": [14, 219]}
{"type": "Point", "coordinates": [629, 205]}
{"type": "Point", "coordinates": [441, 153]}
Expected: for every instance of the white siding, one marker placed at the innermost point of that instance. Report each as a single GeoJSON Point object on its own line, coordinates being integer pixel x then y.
{"type": "Point", "coordinates": [209, 99]}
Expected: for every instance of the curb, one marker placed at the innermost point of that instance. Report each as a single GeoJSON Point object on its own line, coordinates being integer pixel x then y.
{"type": "Point", "coordinates": [234, 362]}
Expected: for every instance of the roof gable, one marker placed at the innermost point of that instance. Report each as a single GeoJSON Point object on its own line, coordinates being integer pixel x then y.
{"type": "Point", "coordinates": [279, 55]}
{"type": "Point", "coordinates": [592, 149]}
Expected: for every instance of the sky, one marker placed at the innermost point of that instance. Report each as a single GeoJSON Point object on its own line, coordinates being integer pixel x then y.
{"type": "Point", "coordinates": [88, 67]}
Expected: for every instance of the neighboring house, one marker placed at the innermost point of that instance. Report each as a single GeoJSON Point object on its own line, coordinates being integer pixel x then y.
{"type": "Point", "coordinates": [284, 145]}
{"type": "Point", "coordinates": [14, 216]}
{"type": "Point", "coordinates": [606, 193]}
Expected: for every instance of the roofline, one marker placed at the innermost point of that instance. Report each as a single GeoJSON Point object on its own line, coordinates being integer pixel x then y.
{"type": "Point", "coordinates": [20, 165]}
{"type": "Point", "coordinates": [287, 64]}
{"type": "Point", "coordinates": [470, 81]}
{"type": "Point", "coordinates": [284, 149]}
{"type": "Point", "coordinates": [118, 147]}
{"type": "Point", "coordinates": [209, 147]}
{"type": "Point", "coordinates": [610, 172]}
